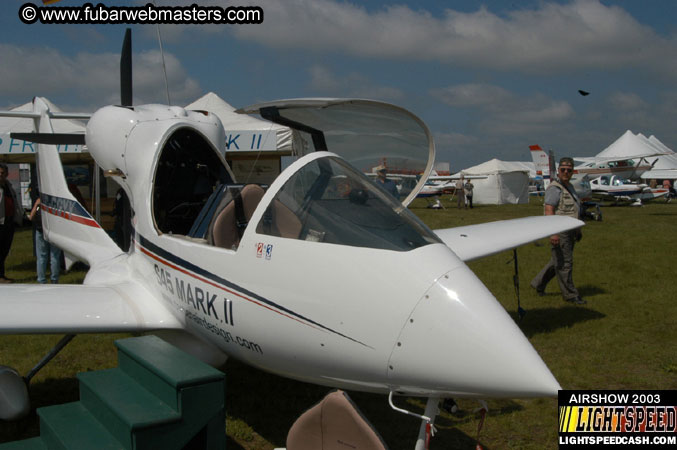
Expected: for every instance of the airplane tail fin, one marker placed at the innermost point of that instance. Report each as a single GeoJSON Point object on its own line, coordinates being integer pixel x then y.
{"type": "Point", "coordinates": [541, 161]}
{"type": "Point", "coordinates": [544, 164]}
{"type": "Point", "coordinates": [65, 221]}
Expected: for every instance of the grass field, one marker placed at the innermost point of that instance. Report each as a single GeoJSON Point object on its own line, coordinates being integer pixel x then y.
{"type": "Point", "coordinates": [624, 338]}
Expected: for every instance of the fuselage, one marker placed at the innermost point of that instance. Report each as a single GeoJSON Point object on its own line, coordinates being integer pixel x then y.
{"type": "Point", "coordinates": [328, 280]}
{"type": "Point", "coordinates": [619, 188]}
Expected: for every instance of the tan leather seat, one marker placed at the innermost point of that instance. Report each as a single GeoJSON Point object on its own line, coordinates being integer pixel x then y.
{"type": "Point", "coordinates": [286, 223]}
{"type": "Point", "coordinates": [224, 231]}
{"type": "Point", "coordinates": [334, 424]}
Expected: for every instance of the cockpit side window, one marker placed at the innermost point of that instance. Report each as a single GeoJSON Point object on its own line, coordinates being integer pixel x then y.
{"type": "Point", "coordinates": [329, 201]}
{"type": "Point", "coordinates": [188, 172]}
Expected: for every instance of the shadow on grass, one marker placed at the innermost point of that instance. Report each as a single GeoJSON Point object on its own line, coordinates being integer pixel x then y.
{"type": "Point", "coordinates": [232, 445]}
{"type": "Point", "coordinates": [547, 320]}
{"type": "Point", "coordinates": [589, 290]}
{"type": "Point", "coordinates": [270, 404]}
{"type": "Point", "coordinates": [43, 393]}
{"type": "Point", "coordinates": [26, 265]}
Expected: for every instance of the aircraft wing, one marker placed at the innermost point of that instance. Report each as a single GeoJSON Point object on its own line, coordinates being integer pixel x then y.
{"type": "Point", "coordinates": [477, 241]}
{"type": "Point", "coordinates": [456, 177]}
{"type": "Point", "coordinates": [38, 308]}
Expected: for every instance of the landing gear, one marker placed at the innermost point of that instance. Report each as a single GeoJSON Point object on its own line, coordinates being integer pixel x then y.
{"type": "Point", "coordinates": [427, 429]}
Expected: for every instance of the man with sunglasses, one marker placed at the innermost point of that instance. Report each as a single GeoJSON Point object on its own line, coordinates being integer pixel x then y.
{"type": "Point", "coordinates": [561, 199]}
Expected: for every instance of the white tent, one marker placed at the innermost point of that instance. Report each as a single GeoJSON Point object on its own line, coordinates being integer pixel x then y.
{"type": "Point", "coordinates": [630, 146]}
{"type": "Point", "coordinates": [245, 133]}
{"type": "Point", "coordinates": [529, 166]}
{"type": "Point", "coordinates": [664, 166]}
{"type": "Point", "coordinates": [18, 151]}
{"type": "Point", "coordinates": [254, 147]}
{"type": "Point", "coordinates": [502, 182]}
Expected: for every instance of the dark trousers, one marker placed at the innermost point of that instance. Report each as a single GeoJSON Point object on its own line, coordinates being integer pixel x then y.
{"type": "Point", "coordinates": [6, 237]}
{"type": "Point", "coordinates": [561, 264]}
{"type": "Point", "coordinates": [468, 199]}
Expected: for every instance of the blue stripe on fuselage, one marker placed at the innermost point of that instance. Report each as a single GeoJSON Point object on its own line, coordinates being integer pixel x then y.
{"type": "Point", "coordinates": [150, 246]}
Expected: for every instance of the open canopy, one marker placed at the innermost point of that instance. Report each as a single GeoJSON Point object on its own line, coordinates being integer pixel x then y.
{"type": "Point", "coordinates": [366, 133]}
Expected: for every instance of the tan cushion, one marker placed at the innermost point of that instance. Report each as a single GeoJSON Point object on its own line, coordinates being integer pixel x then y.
{"type": "Point", "coordinates": [333, 424]}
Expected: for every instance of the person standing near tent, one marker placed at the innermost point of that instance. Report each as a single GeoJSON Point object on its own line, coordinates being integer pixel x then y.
{"type": "Point", "coordinates": [561, 199]}
{"type": "Point", "coordinates": [43, 249]}
{"type": "Point", "coordinates": [11, 213]}
{"type": "Point", "coordinates": [467, 188]}
{"type": "Point", "coordinates": [460, 199]}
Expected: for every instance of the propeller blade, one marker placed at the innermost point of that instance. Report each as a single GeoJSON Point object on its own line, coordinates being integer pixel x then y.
{"type": "Point", "coordinates": [126, 70]}
{"type": "Point", "coordinates": [51, 138]}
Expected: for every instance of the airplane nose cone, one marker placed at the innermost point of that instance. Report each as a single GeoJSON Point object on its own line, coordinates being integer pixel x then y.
{"type": "Point", "coordinates": [459, 341]}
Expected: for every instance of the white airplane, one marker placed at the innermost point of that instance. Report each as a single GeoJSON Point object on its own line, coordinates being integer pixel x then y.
{"type": "Point", "coordinates": [338, 287]}
{"type": "Point", "coordinates": [617, 188]}
{"type": "Point", "coordinates": [595, 167]}
{"type": "Point", "coordinates": [432, 189]}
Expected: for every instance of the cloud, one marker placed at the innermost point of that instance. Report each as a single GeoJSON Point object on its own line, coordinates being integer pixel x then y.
{"type": "Point", "coordinates": [447, 142]}
{"type": "Point", "coordinates": [90, 79]}
{"type": "Point", "coordinates": [351, 85]}
{"type": "Point", "coordinates": [627, 101]}
{"type": "Point", "coordinates": [502, 112]}
{"type": "Point", "coordinates": [552, 38]}
{"type": "Point", "coordinates": [473, 95]}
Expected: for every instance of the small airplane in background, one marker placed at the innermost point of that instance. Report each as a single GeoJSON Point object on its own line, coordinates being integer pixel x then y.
{"type": "Point", "coordinates": [617, 189]}
{"type": "Point", "coordinates": [595, 167]}
{"type": "Point", "coordinates": [321, 276]}
{"type": "Point", "coordinates": [624, 168]}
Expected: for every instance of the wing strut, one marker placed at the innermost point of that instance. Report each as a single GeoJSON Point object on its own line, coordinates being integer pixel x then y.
{"type": "Point", "coordinates": [49, 356]}
{"type": "Point", "coordinates": [516, 281]}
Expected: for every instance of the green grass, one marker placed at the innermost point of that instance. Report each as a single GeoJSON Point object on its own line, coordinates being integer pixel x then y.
{"type": "Point", "coordinates": [624, 338]}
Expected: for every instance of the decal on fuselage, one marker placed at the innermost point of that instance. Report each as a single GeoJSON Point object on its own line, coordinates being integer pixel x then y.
{"type": "Point", "coordinates": [264, 250]}
{"type": "Point", "coordinates": [193, 295]}
{"type": "Point", "coordinates": [169, 260]}
{"type": "Point", "coordinates": [67, 209]}
{"type": "Point", "coordinates": [202, 307]}
{"type": "Point", "coordinates": [227, 336]}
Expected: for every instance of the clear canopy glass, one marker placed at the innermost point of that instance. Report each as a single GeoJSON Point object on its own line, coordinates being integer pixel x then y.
{"type": "Point", "coordinates": [329, 201]}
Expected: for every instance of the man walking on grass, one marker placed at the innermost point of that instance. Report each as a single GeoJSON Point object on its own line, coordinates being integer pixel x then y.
{"type": "Point", "coordinates": [561, 199]}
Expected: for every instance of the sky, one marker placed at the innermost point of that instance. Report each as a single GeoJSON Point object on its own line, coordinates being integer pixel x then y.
{"type": "Point", "coordinates": [488, 78]}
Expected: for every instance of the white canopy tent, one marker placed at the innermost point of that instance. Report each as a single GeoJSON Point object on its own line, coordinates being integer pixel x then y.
{"type": "Point", "coordinates": [664, 166]}
{"type": "Point", "coordinates": [254, 147]}
{"type": "Point", "coordinates": [245, 133]}
{"type": "Point", "coordinates": [19, 151]}
{"type": "Point", "coordinates": [630, 146]}
{"type": "Point", "coordinates": [526, 165]}
{"type": "Point", "coordinates": [503, 182]}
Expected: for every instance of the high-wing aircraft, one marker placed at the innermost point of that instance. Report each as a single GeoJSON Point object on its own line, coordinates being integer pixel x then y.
{"type": "Point", "coordinates": [595, 167]}
{"type": "Point", "coordinates": [320, 276]}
